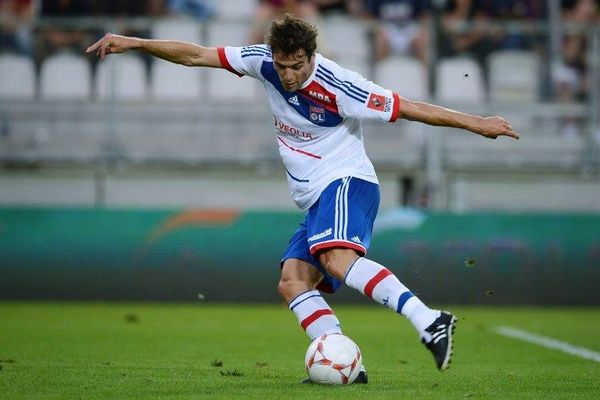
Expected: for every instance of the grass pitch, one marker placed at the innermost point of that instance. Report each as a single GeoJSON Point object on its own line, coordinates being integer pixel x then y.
{"type": "Point", "coordinates": [213, 351]}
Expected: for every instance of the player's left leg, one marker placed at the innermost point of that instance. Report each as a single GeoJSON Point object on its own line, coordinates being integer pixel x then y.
{"type": "Point", "coordinates": [380, 284]}
{"type": "Point", "coordinates": [349, 207]}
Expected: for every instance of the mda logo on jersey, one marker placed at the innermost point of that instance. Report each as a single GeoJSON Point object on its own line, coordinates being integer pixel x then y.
{"type": "Point", "coordinates": [379, 103]}
{"type": "Point", "coordinates": [317, 114]}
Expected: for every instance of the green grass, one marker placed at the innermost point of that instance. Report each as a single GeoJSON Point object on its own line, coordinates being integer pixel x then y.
{"type": "Point", "coordinates": [171, 351]}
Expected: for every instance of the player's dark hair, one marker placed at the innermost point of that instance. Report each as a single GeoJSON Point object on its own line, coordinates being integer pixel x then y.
{"type": "Point", "coordinates": [289, 34]}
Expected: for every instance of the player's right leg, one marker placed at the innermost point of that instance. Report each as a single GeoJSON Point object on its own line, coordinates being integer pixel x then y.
{"type": "Point", "coordinates": [297, 288]}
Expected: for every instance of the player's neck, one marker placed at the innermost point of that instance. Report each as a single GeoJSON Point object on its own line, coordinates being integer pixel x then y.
{"type": "Point", "coordinates": [311, 75]}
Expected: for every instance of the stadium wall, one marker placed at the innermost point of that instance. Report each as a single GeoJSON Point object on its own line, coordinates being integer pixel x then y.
{"type": "Point", "coordinates": [231, 255]}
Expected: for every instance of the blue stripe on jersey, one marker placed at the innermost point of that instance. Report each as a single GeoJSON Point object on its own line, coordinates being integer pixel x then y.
{"type": "Point", "coordinates": [349, 84]}
{"type": "Point", "coordinates": [294, 178]}
{"type": "Point", "coordinates": [301, 104]}
{"type": "Point", "coordinates": [258, 46]}
{"type": "Point", "coordinates": [344, 90]}
{"type": "Point", "coordinates": [254, 54]}
{"type": "Point", "coordinates": [345, 86]}
{"type": "Point", "coordinates": [255, 50]}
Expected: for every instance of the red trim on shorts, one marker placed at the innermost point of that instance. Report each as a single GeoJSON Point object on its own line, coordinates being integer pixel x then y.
{"type": "Point", "coordinates": [370, 286]}
{"type": "Point", "coordinates": [395, 107]}
{"type": "Point", "coordinates": [337, 243]}
{"type": "Point", "coordinates": [315, 316]}
{"type": "Point", "coordinates": [225, 62]}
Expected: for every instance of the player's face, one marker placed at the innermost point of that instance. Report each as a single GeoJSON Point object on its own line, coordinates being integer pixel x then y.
{"type": "Point", "coordinates": [293, 69]}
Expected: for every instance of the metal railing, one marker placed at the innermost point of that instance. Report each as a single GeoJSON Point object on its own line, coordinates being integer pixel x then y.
{"type": "Point", "coordinates": [201, 132]}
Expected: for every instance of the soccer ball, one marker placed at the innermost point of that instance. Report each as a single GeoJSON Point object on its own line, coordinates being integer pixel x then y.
{"type": "Point", "coordinates": [333, 359]}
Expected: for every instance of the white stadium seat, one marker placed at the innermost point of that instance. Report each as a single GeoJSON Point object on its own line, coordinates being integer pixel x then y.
{"type": "Point", "coordinates": [343, 36]}
{"type": "Point", "coordinates": [223, 85]}
{"type": "Point", "coordinates": [65, 76]}
{"type": "Point", "coordinates": [235, 9]}
{"type": "Point", "coordinates": [227, 33]}
{"type": "Point", "coordinates": [356, 64]}
{"type": "Point", "coordinates": [402, 74]}
{"type": "Point", "coordinates": [17, 77]}
{"type": "Point", "coordinates": [187, 30]}
{"type": "Point", "coordinates": [170, 81]}
{"type": "Point", "coordinates": [514, 75]}
{"type": "Point", "coordinates": [459, 79]}
{"type": "Point", "coordinates": [122, 76]}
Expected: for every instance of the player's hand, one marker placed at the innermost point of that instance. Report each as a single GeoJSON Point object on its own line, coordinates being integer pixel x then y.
{"type": "Point", "coordinates": [110, 44]}
{"type": "Point", "coordinates": [492, 127]}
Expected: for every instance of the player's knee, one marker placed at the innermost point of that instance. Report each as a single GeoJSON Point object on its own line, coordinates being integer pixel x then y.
{"type": "Point", "coordinates": [289, 288]}
{"type": "Point", "coordinates": [334, 268]}
{"type": "Point", "coordinates": [337, 261]}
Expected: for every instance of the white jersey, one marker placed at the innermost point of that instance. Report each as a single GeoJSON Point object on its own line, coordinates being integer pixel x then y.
{"type": "Point", "coordinates": [318, 127]}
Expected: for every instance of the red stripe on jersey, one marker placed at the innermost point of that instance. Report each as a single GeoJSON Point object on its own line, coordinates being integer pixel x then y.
{"type": "Point", "coordinates": [337, 243]}
{"type": "Point", "coordinates": [306, 153]}
{"type": "Point", "coordinates": [225, 62]}
{"type": "Point", "coordinates": [370, 286]}
{"type": "Point", "coordinates": [315, 316]}
{"type": "Point", "coordinates": [395, 108]}
{"type": "Point", "coordinates": [318, 94]}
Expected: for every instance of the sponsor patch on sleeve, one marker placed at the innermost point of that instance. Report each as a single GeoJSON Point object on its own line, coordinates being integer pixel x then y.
{"type": "Point", "coordinates": [379, 102]}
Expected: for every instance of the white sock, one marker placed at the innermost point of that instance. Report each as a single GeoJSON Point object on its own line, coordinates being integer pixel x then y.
{"type": "Point", "coordinates": [380, 284]}
{"type": "Point", "coordinates": [314, 314]}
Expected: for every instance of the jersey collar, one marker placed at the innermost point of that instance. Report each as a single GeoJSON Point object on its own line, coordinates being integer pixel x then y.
{"type": "Point", "coordinates": [311, 77]}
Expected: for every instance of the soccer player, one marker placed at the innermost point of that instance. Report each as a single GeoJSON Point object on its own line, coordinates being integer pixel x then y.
{"type": "Point", "coordinates": [317, 109]}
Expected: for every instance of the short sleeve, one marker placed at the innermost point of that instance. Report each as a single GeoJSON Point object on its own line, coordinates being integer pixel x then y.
{"type": "Point", "coordinates": [245, 60]}
{"type": "Point", "coordinates": [366, 100]}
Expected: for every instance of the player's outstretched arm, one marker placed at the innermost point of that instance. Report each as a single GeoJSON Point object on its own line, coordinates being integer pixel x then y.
{"type": "Point", "coordinates": [189, 54]}
{"type": "Point", "coordinates": [490, 127]}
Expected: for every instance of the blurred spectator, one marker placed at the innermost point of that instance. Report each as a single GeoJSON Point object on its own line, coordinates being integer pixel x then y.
{"type": "Point", "coordinates": [199, 9]}
{"type": "Point", "coordinates": [16, 17]}
{"type": "Point", "coordinates": [571, 76]}
{"type": "Point", "coordinates": [52, 38]}
{"type": "Point", "coordinates": [128, 8]}
{"type": "Point", "coordinates": [331, 6]}
{"type": "Point", "coordinates": [465, 26]}
{"type": "Point", "coordinates": [511, 10]}
{"type": "Point", "coordinates": [459, 17]}
{"type": "Point", "coordinates": [266, 10]}
{"type": "Point", "coordinates": [401, 29]}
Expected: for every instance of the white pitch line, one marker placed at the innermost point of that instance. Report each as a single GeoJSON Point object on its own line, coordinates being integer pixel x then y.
{"type": "Point", "coordinates": [548, 342]}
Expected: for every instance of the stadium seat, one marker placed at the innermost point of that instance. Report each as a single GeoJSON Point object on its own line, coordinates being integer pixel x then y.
{"type": "Point", "coordinates": [405, 75]}
{"type": "Point", "coordinates": [170, 81]}
{"type": "Point", "coordinates": [357, 64]}
{"type": "Point", "coordinates": [123, 76]}
{"type": "Point", "coordinates": [343, 37]}
{"type": "Point", "coordinates": [459, 79]}
{"type": "Point", "coordinates": [187, 30]}
{"type": "Point", "coordinates": [235, 9]}
{"type": "Point", "coordinates": [17, 77]}
{"type": "Point", "coordinates": [225, 86]}
{"type": "Point", "coordinates": [65, 76]}
{"type": "Point", "coordinates": [514, 75]}
{"type": "Point", "coordinates": [222, 85]}
{"type": "Point", "coordinates": [227, 33]}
